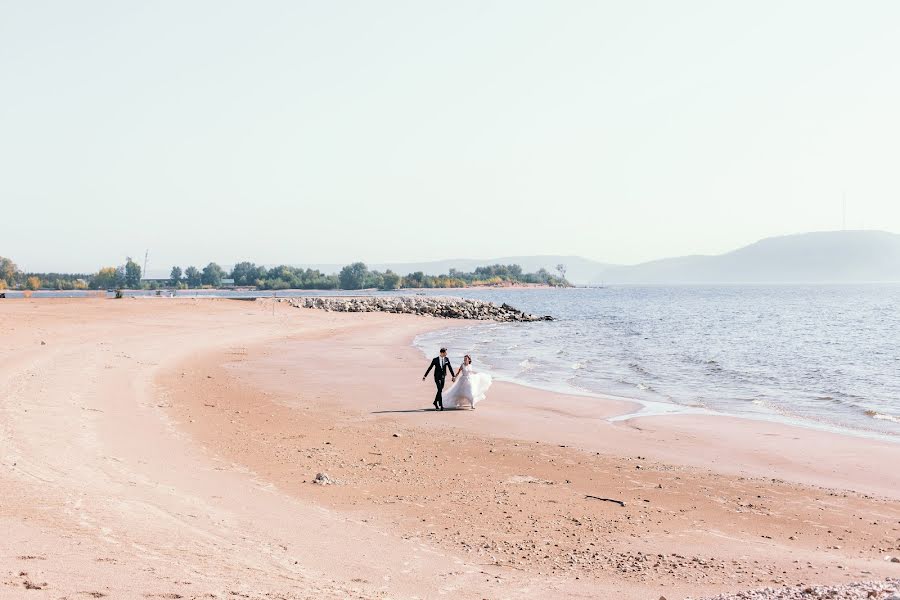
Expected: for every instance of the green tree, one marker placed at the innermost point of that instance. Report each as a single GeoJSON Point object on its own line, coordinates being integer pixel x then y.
{"type": "Point", "coordinates": [8, 270]}
{"type": "Point", "coordinates": [175, 276]}
{"type": "Point", "coordinates": [132, 274]}
{"type": "Point", "coordinates": [105, 279]}
{"type": "Point", "coordinates": [375, 280]}
{"type": "Point", "coordinates": [33, 283]}
{"type": "Point", "coordinates": [212, 275]}
{"type": "Point", "coordinates": [353, 277]}
{"type": "Point", "coordinates": [415, 280]}
{"type": "Point", "coordinates": [561, 269]}
{"type": "Point", "coordinates": [245, 273]}
{"type": "Point", "coordinates": [390, 280]}
{"type": "Point", "coordinates": [193, 276]}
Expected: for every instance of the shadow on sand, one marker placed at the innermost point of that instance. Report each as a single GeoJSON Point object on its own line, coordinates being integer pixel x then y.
{"type": "Point", "coordinates": [410, 410]}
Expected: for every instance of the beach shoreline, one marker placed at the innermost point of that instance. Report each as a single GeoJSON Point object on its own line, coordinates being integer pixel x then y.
{"type": "Point", "coordinates": [252, 401]}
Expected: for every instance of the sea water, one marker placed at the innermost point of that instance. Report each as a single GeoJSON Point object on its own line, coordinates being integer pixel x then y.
{"type": "Point", "coordinates": [820, 355]}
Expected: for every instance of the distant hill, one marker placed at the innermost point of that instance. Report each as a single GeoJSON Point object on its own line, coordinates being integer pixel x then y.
{"type": "Point", "coordinates": [578, 270]}
{"type": "Point", "coordinates": [828, 256]}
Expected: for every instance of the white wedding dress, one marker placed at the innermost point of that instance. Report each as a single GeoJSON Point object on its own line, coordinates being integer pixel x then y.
{"type": "Point", "coordinates": [469, 389]}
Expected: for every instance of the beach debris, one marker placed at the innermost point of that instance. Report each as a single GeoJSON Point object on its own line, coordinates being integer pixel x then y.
{"type": "Point", "coordinates": [884, 590]}
{"type": "Point", "coordinates": [397, 435]}
{"type": "Point", "coordinates": [43, 343]}
{"type": "Point", "coordinates": [324, 479]}
{"type": "Point", "coordinates": [613, 500]}
{"type": "Point", "coordinates": [528, 479]}
{"type": "Point", "coordinates": [33, 586]}
{"type": "Point", "coordinates": [436, 306]}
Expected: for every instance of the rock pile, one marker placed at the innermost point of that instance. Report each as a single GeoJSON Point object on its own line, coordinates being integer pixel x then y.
{"type": "Point", "coordinates": [324, 479]}
{"type": "Point", "coordinates": [889, 589]}
{"type": "Point", "coordinates": [435, 306]}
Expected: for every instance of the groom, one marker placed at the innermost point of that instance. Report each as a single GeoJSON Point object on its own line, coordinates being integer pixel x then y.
{"type": "Point", "coordinates": [440, 364]}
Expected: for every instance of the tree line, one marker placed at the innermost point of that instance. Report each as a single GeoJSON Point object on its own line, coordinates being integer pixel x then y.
{"type": "Point", "coordinates": [358, 276]}
{"type": "Point", "coordinates": [355, 276]}
{"type": "Point", "coordinates": [127, 275]}
{"type": "Point", "coordinates": [13, 278]}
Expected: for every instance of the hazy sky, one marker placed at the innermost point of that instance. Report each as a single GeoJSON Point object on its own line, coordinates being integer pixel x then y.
{"type": "Point", "coordinates": [377, 130]}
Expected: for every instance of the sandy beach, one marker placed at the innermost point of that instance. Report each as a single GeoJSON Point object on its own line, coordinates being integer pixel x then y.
{"type": "Point", "coordinates": [166, 448]}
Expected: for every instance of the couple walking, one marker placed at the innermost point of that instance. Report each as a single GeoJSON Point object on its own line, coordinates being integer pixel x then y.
{"type": "Point", "coordinates": [467, 392]}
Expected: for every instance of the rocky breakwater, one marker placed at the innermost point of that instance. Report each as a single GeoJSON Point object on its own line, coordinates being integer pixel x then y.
{"type": "Point", "coordinates": [443, 307]}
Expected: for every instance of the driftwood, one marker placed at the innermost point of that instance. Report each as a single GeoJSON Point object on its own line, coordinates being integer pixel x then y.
{"type": "Point", "coordinates": [619, 502]}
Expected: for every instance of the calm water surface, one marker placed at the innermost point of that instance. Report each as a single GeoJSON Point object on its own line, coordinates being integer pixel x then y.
{"type": "Point", "coordinates": [822, 355]}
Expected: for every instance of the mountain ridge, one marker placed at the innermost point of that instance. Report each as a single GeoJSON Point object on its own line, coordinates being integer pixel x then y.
{"type": "Point", "coordinates": [820, 257]}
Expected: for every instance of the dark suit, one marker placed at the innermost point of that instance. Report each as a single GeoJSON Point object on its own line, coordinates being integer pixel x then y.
{"type": "Point", "coordinates": [440, 374]}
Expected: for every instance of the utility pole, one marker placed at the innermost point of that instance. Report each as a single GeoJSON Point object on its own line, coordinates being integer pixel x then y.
{"type": "Point", "coordinates": [146, 256]}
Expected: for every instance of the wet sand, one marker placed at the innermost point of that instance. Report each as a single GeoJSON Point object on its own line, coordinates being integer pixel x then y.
{"type": "Point", "coordinates": [166, 448]}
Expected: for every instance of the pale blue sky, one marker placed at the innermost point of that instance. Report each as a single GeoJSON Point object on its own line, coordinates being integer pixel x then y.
{"type": "Point", "coordinates": [384, 131]}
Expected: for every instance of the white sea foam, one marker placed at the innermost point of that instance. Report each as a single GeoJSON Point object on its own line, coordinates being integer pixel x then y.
{"type": "Point", "coordinates": [884, 417]}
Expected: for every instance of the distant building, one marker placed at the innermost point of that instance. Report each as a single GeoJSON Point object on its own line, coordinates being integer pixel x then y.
{"type": "Point", "coordinates": [227, 284]}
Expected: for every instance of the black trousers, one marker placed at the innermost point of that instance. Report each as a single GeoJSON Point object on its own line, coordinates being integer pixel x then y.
{"type": "Point", "coordinates": [440, 388]}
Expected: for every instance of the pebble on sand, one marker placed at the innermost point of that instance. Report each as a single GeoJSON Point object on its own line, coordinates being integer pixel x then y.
{"type": "Point", "coordinates": [881, 590]}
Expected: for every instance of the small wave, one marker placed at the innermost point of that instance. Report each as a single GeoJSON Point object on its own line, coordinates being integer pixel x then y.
{"type": "Point", "coordinates": [882, 417]}
{"type": "Point", "coordinates": [577, 366]}
{"type": "Point", "coordinates": [772, 406]}
{"type": "Point", "coordinates": [638, 368]}
{"type": "Point", "coordinates": [526, 365]}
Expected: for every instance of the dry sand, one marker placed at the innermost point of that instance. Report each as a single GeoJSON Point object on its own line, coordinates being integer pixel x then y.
{"type": "Point", "coordinates": [159, 448]}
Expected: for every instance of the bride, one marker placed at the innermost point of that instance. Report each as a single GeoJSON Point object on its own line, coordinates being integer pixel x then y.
{"type": "Point", "coordinates": [470, 388]}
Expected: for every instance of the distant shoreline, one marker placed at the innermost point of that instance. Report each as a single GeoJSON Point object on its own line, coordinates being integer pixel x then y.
{"type": "Point", "coordinates": [255, 293]}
